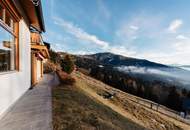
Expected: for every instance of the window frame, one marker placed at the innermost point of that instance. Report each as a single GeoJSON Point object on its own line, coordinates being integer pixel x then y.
{"type": "Point", "coordinates": [9, 7]}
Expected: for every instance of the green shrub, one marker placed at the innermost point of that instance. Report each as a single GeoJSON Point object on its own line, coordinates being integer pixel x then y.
{"type": "Point", "coordinates": [67, 64]}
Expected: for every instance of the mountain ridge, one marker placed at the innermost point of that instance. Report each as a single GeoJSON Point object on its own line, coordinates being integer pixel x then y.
{"type": "Point", "coordinates": [118, 60]}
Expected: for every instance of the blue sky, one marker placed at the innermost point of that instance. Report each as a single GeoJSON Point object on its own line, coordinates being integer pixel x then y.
{"type": "Point", "coordinates": [157, 30]}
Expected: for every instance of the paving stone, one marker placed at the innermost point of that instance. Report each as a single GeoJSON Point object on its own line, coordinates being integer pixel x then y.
{"type": "Point", "coordinates": [34, 110]}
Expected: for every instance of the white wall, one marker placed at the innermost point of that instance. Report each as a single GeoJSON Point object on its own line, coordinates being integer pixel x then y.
{"type": "Point", "coordinates": [38, 69]}
{"type": "Point", "coordinates": [14, 84]}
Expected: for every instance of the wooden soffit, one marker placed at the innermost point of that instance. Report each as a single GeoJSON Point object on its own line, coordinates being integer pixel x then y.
{"type": "Point", "coordinates": [32, 13]}
{"type": "Point", "coordinates": [42, 49]}
{"type": "Point", "coordinates": [10, 6]}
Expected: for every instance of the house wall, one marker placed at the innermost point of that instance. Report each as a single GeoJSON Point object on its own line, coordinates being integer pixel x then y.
{"type": "Point", "coordinates": [14, 84]}
{"type": "Point", "coordinates": [39, 70]}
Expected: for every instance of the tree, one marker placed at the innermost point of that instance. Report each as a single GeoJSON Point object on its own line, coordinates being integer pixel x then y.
{"type": "Point", "coordinates": [173, 101]}
{"type": "Point", "coordinates": [67, 64]}
{"type": "Point", "coordinates": [184, 92]}
{"type": "Point", "coordinates": [188, 94]}
{"type": "Point", "coordinates": [54, 57]}
{"type": "Point", "coordinates": [140, 91]}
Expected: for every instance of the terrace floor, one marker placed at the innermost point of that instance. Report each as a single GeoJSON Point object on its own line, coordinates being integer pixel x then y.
{"type": "Point", "coordinates": [33, 111]}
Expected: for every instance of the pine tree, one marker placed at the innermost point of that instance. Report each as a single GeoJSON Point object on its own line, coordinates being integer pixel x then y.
{"type": "Point", "coordinates": [184, 92]}
{"type": "Point", "coordinates": [173, 100]}
{"type": "Point", "coordinates": [67, 64]}
{"type": "Point", "coordinates": [54, 56]}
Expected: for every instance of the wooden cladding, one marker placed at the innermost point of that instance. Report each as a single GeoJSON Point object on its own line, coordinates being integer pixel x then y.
{"type": "Point", "coordinates": [33, 68]}
{"type": "Point", "coordinates": [41, 48]}
{"type": "Point", "coordinates": [34, 14]}
{"type": "Point", "coordinates": [36, 38]}
{"type": "Point", "coordinates": [36, 67]}
{"type": "Point", "coordinates": [9, 6]}
{"type": "Point", "coordinates": [17, 59]}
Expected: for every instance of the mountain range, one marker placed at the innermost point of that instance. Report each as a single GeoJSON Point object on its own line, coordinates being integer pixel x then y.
{"type": "Point", "coordinates": [119, 60]}
{"type": "Point", "coordinates": [140, 68]}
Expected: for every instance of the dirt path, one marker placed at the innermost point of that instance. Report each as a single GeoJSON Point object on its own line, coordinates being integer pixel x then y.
{"type": "Point", "coordinates": [144, 116]}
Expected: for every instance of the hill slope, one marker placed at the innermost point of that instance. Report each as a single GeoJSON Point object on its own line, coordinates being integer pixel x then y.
{"type": "Point", "coordinates": [85, 106]}
{"type": "Point", "coordinates": [121, 102]}
{"type": "Point", "coordinates": [118, 60]}
{"type": "Point", "coordinates": [74, 109]}
{"type": "Point", "coordinates": [166, 85]}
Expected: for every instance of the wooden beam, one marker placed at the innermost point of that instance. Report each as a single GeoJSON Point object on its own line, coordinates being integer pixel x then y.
{"type": "Point", "coordinates": [17, 52]}
{"type": "Point", "coordinates": [33, 68]}
{"type": "Point", "coordinates": [41, 48]}
{"type": "Point", "coordinates": [9, 5]}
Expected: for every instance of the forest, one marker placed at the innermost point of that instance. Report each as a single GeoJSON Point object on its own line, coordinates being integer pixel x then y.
{"type": "Point", "coordinates": [160, 92]}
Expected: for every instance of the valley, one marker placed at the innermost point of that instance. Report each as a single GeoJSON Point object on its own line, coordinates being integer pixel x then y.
{"type": "Point", "coordinates": [166, 85]}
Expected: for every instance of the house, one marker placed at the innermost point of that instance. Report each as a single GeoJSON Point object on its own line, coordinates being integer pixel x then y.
{"type": "Point", "coordinates": [22, 52]}
{"type": "Point", "coordinates": [39, 55]}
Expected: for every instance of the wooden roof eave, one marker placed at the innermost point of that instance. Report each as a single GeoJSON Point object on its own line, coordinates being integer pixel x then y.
{"type": "Point", "coordinates": [10, 6]}
{"type": "Point", "coordinates": [32, 14]}
{"type": "Point", "coordinates": [43, 49]}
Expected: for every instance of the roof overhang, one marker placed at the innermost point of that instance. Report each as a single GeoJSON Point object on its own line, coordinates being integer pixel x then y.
{"type": "Point", "coordinates": [42, 49]}
{"type": "Point", "coordinates": [32, 13]}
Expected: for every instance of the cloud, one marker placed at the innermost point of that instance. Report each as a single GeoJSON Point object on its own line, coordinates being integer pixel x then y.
{"type": "Point", "coordinates": [131, 29]}
{"type": "Point", "coordinates": [179, 45]}
{"type": "Point", "coordinates": [79, 33]}
{"type": "Point", "coordinates": [57, 41]}
{"type": "Point", "coordinates": [152, 41]}
{"type": "Point", "coordinates": [82, 52]}
{"type": "Point", "coordinates": [143, 70]}
{"type": "Point", "coordinates": [179, 53]}
{"type": "Point", "coordinates": [134, 27]}
{"type": "Point", "coordinates": [122, 50]}
{"type": "Point", "coordinates": [84, 36]}
{"type": "Point", "coordinates": [126, 33]}
{"type": "Point", "coordinates": [182, 45]}
{"type": "Point", "coordinates": [181, 37]}
{"type": "Point", "coordinates": [182, 76]}
{"type": "Point", "coordinates": [174, 25]}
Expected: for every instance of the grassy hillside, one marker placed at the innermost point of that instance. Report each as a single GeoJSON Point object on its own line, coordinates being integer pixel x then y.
{"type": "Point", "coordinates": [121, 102]}
{"type": "Point", "coordinates": [159, 88]}
{"type": "Point", "coordinates": [73, 109]}
{"type": "Point", "coordinates": [86, 105]}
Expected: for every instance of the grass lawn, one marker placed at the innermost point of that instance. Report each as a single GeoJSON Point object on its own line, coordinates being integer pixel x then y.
{"type": "Point", "coordinates": [75, 110]}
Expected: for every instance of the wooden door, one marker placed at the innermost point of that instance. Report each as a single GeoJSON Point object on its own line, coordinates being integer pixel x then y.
{"type": "Point", "coordinates": [33, 69]}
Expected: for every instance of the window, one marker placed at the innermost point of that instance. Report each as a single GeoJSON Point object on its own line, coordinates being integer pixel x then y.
{"type": "Point", "coordinates": [7, 41]}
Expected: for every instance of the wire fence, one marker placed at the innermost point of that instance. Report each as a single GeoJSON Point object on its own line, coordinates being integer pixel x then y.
{"type": "Point", "coordinates": [137, 100]}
